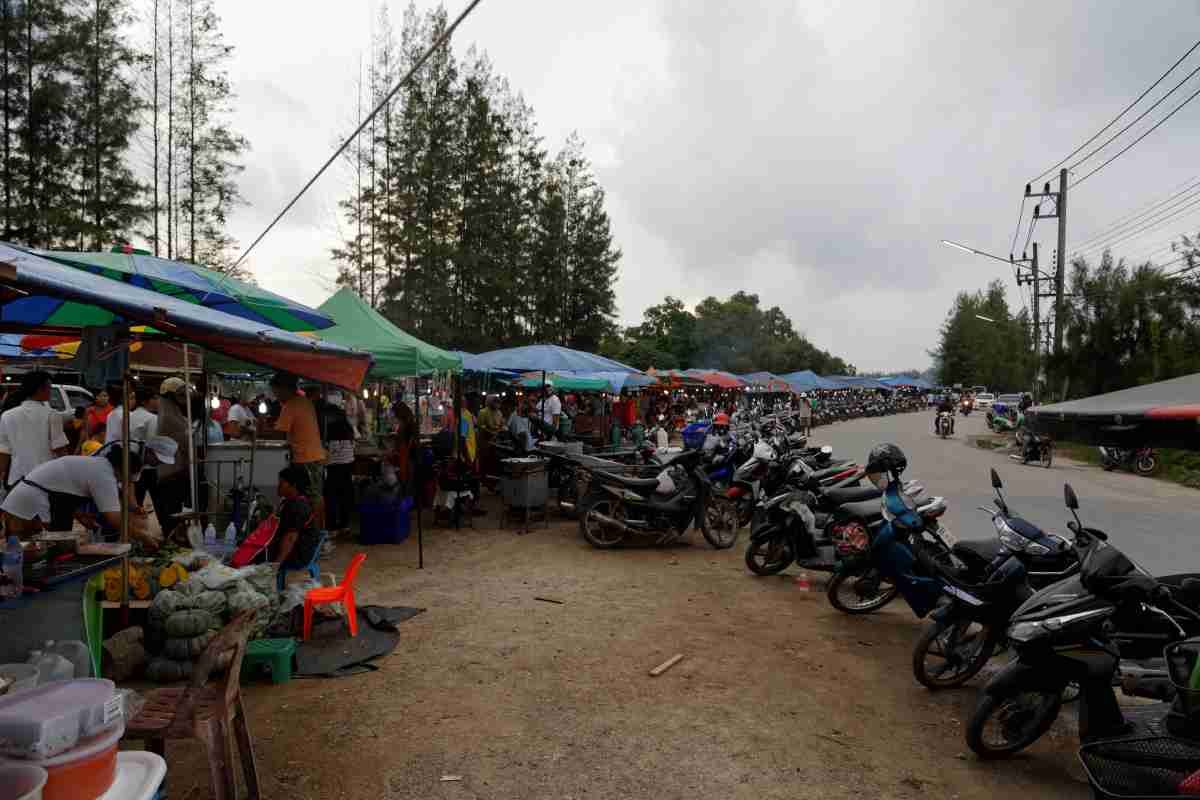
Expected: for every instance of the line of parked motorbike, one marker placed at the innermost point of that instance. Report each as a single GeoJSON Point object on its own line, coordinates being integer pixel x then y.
{"type": "Point", "coordinates": [1076, 615]}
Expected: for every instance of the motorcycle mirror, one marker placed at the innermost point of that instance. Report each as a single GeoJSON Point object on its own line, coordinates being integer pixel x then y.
{"type": "Point", "coordinates": [1069, 497]}
{"type": "Point", "coordinates": [996, 484]}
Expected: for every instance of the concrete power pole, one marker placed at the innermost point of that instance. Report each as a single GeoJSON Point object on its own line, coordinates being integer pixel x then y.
{"type": "Point", "coordinates": [1060, 273]}
{"type": "Point", "coordinates": [1035, 279]}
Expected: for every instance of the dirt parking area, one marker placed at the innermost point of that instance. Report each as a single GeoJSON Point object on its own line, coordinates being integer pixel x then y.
{"type": "Point", "coordinates": [778, 695]}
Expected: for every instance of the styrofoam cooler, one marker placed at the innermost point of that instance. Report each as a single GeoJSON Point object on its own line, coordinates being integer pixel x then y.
{"type": "Point", "coordinates": [51, 719]}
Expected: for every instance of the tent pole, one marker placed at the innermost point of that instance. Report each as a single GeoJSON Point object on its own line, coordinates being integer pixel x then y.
{"type": "Point", "coordinates": [126, 491]}
{"type": "Point", "coordinates": [187, 393]}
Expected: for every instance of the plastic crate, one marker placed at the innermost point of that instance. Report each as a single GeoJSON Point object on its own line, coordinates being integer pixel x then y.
{"type": "Point", "coordinates": [384, 523]}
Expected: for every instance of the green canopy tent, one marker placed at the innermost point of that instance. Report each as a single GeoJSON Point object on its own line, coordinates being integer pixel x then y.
{"type": "Point", "coordinates": [397, 354]}
{"type": "Point", "coordinates": [567, 383]}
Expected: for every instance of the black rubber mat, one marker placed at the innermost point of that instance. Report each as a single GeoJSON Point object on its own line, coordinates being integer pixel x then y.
{"type": "Point", "coordinates": [332, 653]}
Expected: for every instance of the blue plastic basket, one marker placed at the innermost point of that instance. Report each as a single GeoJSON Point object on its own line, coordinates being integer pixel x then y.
{"type": "Point", "coordinates": [384, 523]}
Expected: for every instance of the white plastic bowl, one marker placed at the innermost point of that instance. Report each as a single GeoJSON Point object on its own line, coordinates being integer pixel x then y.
{"type": "Point", "coordinates": [21, 782]}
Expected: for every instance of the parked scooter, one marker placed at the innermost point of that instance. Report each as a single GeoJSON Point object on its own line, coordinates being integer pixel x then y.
{"type": "Point", "coordinates": [1142, 460]}
{"type": "Point", "coordinates": [1077, 631]}
{"type": "Point", "coordinates": [997, 576]}
{"type": "Point", "coordinates": [617, 506]}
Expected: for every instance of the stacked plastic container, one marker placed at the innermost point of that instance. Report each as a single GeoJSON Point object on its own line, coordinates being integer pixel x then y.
{"type": "Point", "coordinates": [71, 729]}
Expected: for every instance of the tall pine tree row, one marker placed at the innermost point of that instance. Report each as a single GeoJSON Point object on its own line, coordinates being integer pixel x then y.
{"type": "Point", "coordinates": [480, 239]}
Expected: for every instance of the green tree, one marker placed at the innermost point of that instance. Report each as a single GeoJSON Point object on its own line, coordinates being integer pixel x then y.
{"type": "Point", "coordinates": [983, 343]}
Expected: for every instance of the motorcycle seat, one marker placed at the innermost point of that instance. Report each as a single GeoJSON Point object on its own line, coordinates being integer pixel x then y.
{"type": "Point", "coordinates": [866, 510]}
{"type": "Point", "coordinates": [852, 494]}
{"type": "Point", "coordinates": [828, 472]}
{"type": "Point", "coordinates": [636, 484]}
{"type": "Point", "coordinates": [1025, 528]}
{"type": "Point", "coordinates": [976, 553]}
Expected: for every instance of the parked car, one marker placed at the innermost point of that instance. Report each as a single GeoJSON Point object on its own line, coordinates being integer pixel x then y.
{"type": "Point", "coordinates": [65, 399]}
{"type": "Point", "coordinates": [984, 400]}
{"type": "Point", "coordinates": [1012, 400]}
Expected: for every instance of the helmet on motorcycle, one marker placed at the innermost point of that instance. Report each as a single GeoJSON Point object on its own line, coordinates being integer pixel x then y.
{"type": "Point", "coordinates": [721, 419]}
{"type": "Point", "coordinates": [886, 458]}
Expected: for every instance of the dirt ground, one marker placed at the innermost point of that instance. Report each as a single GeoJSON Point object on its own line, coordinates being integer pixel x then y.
{"type": "Point", "coordinates": [778, 695]}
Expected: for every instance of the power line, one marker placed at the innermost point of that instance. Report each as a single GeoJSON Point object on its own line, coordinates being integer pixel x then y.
{"type": "Point", "coordinates": [1136, 119]}
{"type": "Point", "coordinates": [441, 40]}
{"type": "Point", "coordinates": [1129, 146]}
{"type": "Point", "coordinates": [1124, 111]}
{"type": "Point", "coordinates": [1142, 211]}
{"type": "Point", "coordinates": [1148, 225]}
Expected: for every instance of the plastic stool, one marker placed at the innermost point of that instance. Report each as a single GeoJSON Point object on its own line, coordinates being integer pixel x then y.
{"type": "Point", "coordinates": [275, 654]}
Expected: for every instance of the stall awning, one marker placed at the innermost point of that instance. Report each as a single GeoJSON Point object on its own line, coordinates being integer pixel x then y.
{"type": "Point", "coordinates": [806, 380]}
{"type": "Point", "coordinates": [906, 382]}
{"type": "Point", "coordinates": [545, 358]}
{"type": "Point", "coordinates": [716, 377]}
{"type": "Point", "coordinates": [397, 354]}
{"type": "Point", "coordinates": [40, 295]}
{"type": "Point", "coordinates": [858, 382]}
{"type": "Point", "coordinates": [567, 383]}
{"type": "Point", "coordinates": [1163, 414]}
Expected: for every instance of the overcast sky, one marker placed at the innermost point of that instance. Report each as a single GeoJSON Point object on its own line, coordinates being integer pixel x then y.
{"type": "Point", "coordinates": [812, 152]}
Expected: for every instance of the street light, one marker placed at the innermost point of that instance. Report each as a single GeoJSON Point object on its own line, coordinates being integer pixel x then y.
{"type": "Point", "coordinates": [985, 319]}
{"type": "Point", "coordinates": [973, 251]}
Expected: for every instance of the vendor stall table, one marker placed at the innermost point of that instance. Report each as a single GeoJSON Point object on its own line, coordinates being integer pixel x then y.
{"type": "Point", "coordinates": [524, 489]}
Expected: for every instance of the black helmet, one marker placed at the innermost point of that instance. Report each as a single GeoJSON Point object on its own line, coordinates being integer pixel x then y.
{"type": "Point", "coordinates": [886, 458]}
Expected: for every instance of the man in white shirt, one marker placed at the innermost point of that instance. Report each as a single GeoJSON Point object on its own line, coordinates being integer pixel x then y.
{"type": "Point", "coordinates": [143, 421]}
{"type": "Point", "coordinates": [551, 408]}
{"type": "Point", "coordinates": [240, 416]}
{"type": "Point", "coordinates": [31, 433]}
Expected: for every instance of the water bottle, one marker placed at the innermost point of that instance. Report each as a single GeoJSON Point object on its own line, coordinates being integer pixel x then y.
{"type": "Point", "coordinates": [230, 533]}
{"type": "Point", "coordinates": [14, 565]}
{"type": "Point", "coordinates": [210, 535]}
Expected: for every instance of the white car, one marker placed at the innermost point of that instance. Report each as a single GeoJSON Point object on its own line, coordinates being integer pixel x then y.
{"type": "Point", "coordinates": [984, 400]}
{"type": "Point", "coordinates": [65, 399]}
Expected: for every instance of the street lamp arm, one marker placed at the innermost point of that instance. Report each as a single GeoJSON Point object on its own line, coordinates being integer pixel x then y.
{"type": "Point", "coordinates": [972, 250]}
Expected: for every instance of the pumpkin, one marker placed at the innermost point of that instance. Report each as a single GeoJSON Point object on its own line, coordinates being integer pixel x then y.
{"type": "Point", "coordinates": [166, 670]}
{"type": "Point", "coordinates": [187, 649]}
{"type": "Point", "coordinates": [172, 574]}
{"type": "Point", "coordinates": [186, 624]}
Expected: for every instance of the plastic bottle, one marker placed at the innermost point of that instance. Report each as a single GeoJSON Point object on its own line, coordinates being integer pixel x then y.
{"type": "Point", "coordinates": [210, 534]}
{"type": "Point", "coordinates": [14, 565]}
{"type": "Point", "coordinates": [230, 533]}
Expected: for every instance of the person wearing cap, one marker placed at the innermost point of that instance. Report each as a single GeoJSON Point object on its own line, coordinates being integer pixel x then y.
{"type": "Point", "coordinates": [30, 432]}
{"type": "Point", "coordinates": [171, 491]}
{"type": "Point", "coordinates": [298, 421]}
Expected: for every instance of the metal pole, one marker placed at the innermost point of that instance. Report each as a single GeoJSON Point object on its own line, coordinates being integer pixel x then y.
{"type": "Point", "coordinates": [1060, 273]}
{"type": "Point", "coordinates": [187, 393]}
{"type": "Point", "coordinates": [1037, 324]}
{"type": "Point", "coordinates": [125, 491]}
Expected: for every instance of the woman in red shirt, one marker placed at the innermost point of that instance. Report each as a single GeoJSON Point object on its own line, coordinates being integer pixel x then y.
{"type": "Point", "coordinates": [97, 415]}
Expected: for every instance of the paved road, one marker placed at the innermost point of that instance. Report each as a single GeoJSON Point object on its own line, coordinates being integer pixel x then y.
{"type": "Point", "coordinates": [1155, 522]}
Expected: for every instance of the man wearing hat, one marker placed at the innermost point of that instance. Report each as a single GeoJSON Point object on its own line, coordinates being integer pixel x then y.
{"type": "Point", "coordinates": [170, 490]}
{"type": "Point", "coordinates": [298, 420]}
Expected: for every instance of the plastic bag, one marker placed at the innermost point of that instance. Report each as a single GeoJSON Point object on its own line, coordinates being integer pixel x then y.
{"type": "Point", "coordinates": [215, 576]}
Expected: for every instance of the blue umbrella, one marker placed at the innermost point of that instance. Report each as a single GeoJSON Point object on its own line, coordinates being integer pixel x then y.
{"type": "Point", "coordinates": [544, 358]}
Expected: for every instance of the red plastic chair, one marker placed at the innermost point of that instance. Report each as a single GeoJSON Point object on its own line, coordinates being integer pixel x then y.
{"type": "Point", "coordinates": [342, 593]}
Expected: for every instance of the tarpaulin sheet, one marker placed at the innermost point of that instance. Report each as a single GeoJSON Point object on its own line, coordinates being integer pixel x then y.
{"type": "Point", "coordinates": [1163, 414]}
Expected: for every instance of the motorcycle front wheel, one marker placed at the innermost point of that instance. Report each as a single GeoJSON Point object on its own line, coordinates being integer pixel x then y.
{"type": "Point", "coordinates": [1005, 725]}
{"type": "Point", "coordinates": [1047, 454]}
{"type": "Point", "coordinates": [720, 522]}
{"type": "Point", "coordinates": [597, 533]}
{"type": "Point", "coordinates": [769, 556]}
{"type": "Point", "coordinates": [860, 593]}
{"type": "Point", "coordinates": [949, 654]}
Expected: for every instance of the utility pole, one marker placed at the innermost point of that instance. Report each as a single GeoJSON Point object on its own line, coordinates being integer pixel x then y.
{"type": "Point", "coordinates": [1060, 214]}
{"type": "Point", "coordinates": [1034, 278]}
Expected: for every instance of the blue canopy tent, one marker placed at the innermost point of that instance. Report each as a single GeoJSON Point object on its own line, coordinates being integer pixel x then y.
{"type": "Point", "coordinates": [544, 358]}
{"type": "Point", "coordinates": [620, 380]}
{"type": "Point", "coordinates": [859, 382]}
{"type": "Point", "coordinates": [808, 381]}
{"type": "Point", "coordinates": [906, 382]}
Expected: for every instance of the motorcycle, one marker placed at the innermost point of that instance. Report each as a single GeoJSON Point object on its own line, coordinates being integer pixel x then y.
{"type": "Point", "coordinates": [1142, 460]}
{"type": "Point", "coordinates": [1034, 447]}
{"type": "Point", "coordinates": [997, 576]}
{"type": "Point", "coordinates": [668, 504]}
{"type": "Point", "coordinates": [944, 425]}
{"type": "Point", "coordinates": [965, 408]}
{"type": "Point", "coordinates": [1077, 631]}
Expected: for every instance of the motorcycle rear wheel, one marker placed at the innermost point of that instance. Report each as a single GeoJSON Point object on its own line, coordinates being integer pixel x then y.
{"type": "Point", "coordinates": [860, 593]}
{"type": "Point", "coordinates": [935, 668]}
{"type": "Point", "coordinates": [598, 534]}
{"type": "Point", "coordinates": [1002, 726]}
{"type": "Point", "coordinates": [1047, 454]}
{"type": "Point", "coordinates": [720, 522]}
{"type": "Point", "coordinates": [769, 556]}
{"type": "Point", "coordinates": [1146, 465]}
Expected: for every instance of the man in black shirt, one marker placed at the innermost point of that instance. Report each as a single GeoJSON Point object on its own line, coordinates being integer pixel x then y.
{"type": "Point", "coordinates": [297, 534]}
